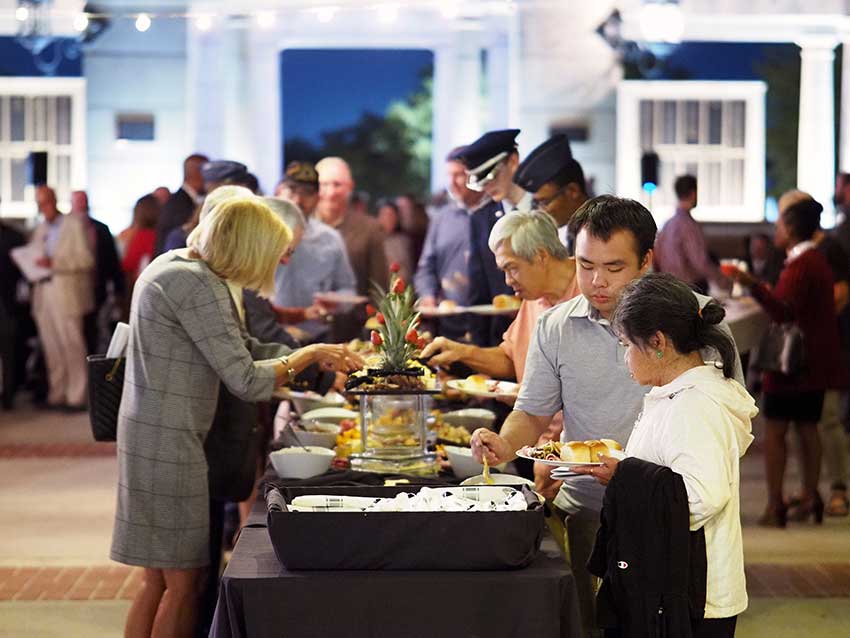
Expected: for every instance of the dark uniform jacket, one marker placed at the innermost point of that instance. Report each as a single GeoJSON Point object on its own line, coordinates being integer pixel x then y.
{"type": "Point", "coordinates": [485, 279]}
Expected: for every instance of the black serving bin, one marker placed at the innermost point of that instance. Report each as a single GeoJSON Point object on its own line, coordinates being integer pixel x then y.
{"type": "Point", "coordinates": [466, 541]}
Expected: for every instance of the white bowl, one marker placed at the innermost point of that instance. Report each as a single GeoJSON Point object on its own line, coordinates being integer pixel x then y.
{"type": "Point", "coordinates": [329, 415]}
{"type": "Point", "coordinates": [294, 462]}
{"type": "Point", "coordinates": [307, 401]}
{"type": "Point", "coordinates": [463, 465]}
{"type": "Point", "coordinates": [470, 418]}
{"type": "Point", "coordinates": [312, 433]}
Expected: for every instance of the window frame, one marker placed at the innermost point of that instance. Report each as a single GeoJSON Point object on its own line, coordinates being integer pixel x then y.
{"type": "Point", "coordinates": [679, 154]}
{"type": "Point", "coordinates": [32, 88]}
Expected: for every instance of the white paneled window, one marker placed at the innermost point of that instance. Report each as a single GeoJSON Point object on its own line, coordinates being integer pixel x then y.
{"type": "Point", "coordinates": [712, 130]}
{"type": "Point", "coordinates": [40, 114]}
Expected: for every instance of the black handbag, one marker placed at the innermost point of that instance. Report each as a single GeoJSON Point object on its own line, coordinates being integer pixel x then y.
{"type": "Point", "coordinates": [782, 349]}
{"type": "Point", "coordinates": [232, 444]}
{"type": "Point", "coordinates": [106, 381]}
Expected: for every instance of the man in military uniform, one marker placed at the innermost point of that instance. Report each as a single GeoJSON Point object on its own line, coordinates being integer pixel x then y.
{"type": "Point", "coordinates": [557, 181]}
{"type": "Point", "coordinates": [491, 162]}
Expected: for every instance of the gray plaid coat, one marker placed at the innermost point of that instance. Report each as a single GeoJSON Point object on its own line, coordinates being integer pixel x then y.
{"type": "Point", "coordinates": [185, 338]}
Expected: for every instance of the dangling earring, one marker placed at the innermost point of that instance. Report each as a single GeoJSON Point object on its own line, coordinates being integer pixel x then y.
{"type": "Point", "coordinates": [659, 354]}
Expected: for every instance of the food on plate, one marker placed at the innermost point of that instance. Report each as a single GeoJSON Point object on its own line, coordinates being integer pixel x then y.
{"type": "Point", "coordinates": [550, 451]}
{"type": "Point", "coordinates": [572, 451]}
{"type": "Point", "coordinates": [482, 383]}
{"type": "Point", "coordinates": [447, 305]}
{"type": "Point", "coordinates": [502, 302]}
{"type": "Point", "coordinates": [588, 451]}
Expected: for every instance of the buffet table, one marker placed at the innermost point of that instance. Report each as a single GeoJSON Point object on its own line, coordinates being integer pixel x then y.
{"type": "Point", "coordinates": [260, 599]}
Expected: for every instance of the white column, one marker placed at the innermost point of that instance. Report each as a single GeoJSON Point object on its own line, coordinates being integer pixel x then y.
{"type": "Point", "coordinates": [515, 70]}
{"type": "Point", "coordinates": [498, 85]}
{"type": "Point", "coordinates": [844, 125]}
{"type": "Point", "coordinates": [457, 101]}
{"type": "Point", "coordinates": [441, 136]}
{"type": "Point", "coordinates": [816, 141]}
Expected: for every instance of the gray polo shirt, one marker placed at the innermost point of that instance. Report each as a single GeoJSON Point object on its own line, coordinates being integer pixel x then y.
{"type": "Point", "coordinates": [576, 364]}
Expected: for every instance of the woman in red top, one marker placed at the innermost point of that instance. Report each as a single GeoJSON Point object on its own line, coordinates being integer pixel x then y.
{"type": "Point", "coordinates": [140, 249]}
{"type": "Point", "coordinates": [803, 295]}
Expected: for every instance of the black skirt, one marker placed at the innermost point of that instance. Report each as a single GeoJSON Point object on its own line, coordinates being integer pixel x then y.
{"type": "Point", "coordinates": [800, 407]}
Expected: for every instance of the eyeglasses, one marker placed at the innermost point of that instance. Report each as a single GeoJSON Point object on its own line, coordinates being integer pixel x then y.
{"type": "Point", "coordinates": [475, 184]}
{"type": "Point", "coordinates": [544, 203]}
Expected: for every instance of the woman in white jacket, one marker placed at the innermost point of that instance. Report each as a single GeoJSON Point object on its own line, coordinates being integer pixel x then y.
{"type": "Point", "coordinates": [696, 420]}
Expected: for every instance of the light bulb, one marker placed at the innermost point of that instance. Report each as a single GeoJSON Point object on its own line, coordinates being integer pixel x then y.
{"type": "Point", "coordinates": [326, 14]}
{"type": "Point", "coordinates": [143, 22]}
{"type": "Point", "coordinates": [203, 22]}
{"type": "Point", "coordinates": [449, 9]}
{"type": "Point", "coordinates": [662, 23]}
{"type": "Point", "coordinates": [81, 22]}
{"type": "Point", "coordinates": [21, 14]}
{"type": "Point", "coordinates": [387, 13]}
{"type": "Point", "coordinates": [266, 19]}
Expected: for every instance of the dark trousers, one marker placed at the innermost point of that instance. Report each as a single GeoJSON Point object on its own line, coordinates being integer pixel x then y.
{"type": "Point", "coordinates": [706, 628]}
{"type": "Point", "coordinates": [715, 627]}
{"type": "Point", "coordinates": [9, 357]}
{"type": "Point", "coordinates": [209, 597]}
{"type": "Point", "coordinates": [90, 331]}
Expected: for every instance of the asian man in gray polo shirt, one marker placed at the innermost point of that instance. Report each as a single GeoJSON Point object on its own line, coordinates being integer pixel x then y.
{"type": "Point", "coordinates": [575, 363]}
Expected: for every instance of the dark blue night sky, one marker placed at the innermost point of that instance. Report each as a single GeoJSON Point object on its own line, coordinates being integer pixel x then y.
{"type": "Point", "coordinates": [15, 60]}
{"type": "Point", "coordinates": [325, 89]}
{"type": "Point", "coordinates": [722, 61]}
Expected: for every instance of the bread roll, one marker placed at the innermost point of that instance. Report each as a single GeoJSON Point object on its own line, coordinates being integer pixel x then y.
{"type": "Point", "coordinates": [612, 444]}
{"type": "Point", "coordinates": [447, 304]}
{"type": "Point", "coordinates": [588, 451]}
{"type": "Point", "coordinates": [596, 448]}
{"type": "Point", "coordinates": [506, 301]}
{"type": "Point", "coordinates": [575, 452]}
{"type": "Point", "coordinates": [478, 380]}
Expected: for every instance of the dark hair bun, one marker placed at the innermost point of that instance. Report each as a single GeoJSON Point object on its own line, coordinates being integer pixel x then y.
{"type": "Point", "coordinates": [713, 313]}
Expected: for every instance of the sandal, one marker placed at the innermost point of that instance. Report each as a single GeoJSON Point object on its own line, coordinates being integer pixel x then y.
{"type": "Point", "coordinates": [838, 504]}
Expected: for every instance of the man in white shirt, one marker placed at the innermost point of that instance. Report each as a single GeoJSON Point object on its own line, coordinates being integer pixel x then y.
{"type": "Point", "coordinates": [61, 300]}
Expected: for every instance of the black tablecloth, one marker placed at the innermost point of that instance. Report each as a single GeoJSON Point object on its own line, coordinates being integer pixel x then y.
{"type": "Point", "coordinates": [258, 598]}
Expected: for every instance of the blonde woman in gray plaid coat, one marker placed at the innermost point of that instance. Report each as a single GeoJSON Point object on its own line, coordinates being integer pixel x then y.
{"type": "Point", "coordinates": [186, 338]}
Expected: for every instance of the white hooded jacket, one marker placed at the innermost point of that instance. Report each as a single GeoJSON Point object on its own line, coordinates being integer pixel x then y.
{"type": "Point", "coordinates": [699, 425]}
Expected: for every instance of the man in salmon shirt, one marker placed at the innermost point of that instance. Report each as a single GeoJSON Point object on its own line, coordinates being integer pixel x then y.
{"type": "Point", "coordinates": [540, 271]}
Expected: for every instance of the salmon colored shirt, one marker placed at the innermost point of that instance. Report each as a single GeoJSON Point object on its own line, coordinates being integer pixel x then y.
{"type": "Point", "coordinates": [517, 338]}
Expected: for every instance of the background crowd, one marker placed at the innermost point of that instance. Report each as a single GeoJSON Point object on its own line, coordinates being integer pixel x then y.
{"type": "Point", "coordinates": [342, 244]}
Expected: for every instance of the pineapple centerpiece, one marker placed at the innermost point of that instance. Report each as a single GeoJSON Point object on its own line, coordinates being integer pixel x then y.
{"type": "Point", "coordinates": [396, 342]}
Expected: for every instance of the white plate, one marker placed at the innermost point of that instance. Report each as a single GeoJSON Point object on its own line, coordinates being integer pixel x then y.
{"type": "Point", "coordinates": [490, 309]}
{"type": "Point", "coordinates": [329, 415]}
{"type": "Point", "coordinates": [617, 454]}
{"type": "Point", "coordinates": [556, 463]}
{"type": "Point", "coordinates": [499, 479]}
{"type": "Point", "coordinates": [504, 389]}
{"type": "Point", "coordinates": [340, 297]}
{"type": "Point", "coordinates": [437, 312]}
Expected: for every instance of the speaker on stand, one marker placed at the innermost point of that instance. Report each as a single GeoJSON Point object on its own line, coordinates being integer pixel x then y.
{"type": "Point", "coordinates": [37, 168]}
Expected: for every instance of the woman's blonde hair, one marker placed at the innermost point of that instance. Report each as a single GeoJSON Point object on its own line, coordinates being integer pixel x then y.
{"type": "Point", "coordinates": [213, 199]}
{"type": "Point", "coordinates": [242, 240]}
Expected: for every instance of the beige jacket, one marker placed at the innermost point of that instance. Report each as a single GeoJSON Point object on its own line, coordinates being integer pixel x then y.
{"type": "Point", "coordinates": [72, 283]}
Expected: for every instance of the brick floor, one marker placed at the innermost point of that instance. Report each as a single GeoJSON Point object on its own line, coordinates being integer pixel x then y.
{"type": "Point", "coordinates": [69, 583]}
{"type": "Point", "coordinates": [55, 450]}
{"type": "Point", "coordinates": [822, 580]}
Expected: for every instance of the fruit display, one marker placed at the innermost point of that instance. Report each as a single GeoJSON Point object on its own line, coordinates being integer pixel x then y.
{"type": "Point", "coordinates": [396, 342]}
